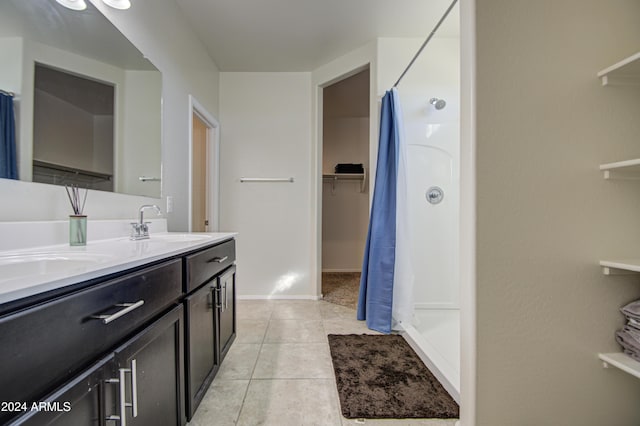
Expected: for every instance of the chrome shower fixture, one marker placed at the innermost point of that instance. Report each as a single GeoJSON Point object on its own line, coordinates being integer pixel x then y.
{"type": "Point", "coordinates": [438, 103]}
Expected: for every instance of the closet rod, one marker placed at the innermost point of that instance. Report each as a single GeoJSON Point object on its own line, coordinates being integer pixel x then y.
{"type": "Point", "coordinates": [426, 42]}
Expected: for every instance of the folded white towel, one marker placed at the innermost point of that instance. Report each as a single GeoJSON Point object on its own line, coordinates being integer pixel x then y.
{"type": "Point", "coordinates": [629, 344]}
{"type": "Point", "coordinates": [632, 310]}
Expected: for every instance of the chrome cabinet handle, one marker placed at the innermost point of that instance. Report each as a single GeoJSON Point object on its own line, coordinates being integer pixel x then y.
{"type": "Point", "coordinates": [218, 259]}
{"type": "Point", "coordinates": [134, 388]}
{"type": "Point", "coordinates": [226, 298]}
{"type": "Point", "coordinates": [123, 404]}
{"type": "Point", "coordinates": [218, 297]}
{"type": "Point", "coordinates": [114, 417]}
{"type": "Point", "coordinates": [128, 307]}
{"type": "Point", "coordinates": [223, 293]}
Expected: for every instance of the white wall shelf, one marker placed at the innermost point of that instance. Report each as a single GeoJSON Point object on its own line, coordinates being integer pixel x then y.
{"type": "Point", "coordinates": [621, 361]}
{"type": "Point", "coordinates": [623, 73]}
{"type": "Point", "coordinates": [620, 266]}
{"type": "Point", "coordinates": [334, 177]}
{"type": "Point", "coordinates": [627, 169]}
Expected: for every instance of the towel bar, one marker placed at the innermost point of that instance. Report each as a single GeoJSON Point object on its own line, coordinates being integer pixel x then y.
{"type": "Point", "coordinates": [246, 179]}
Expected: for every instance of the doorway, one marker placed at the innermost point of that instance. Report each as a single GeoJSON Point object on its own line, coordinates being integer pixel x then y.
{"type": "Point", "coordinates": [204, 163]}
{"type": "Point", "coordinates": [345, 199]}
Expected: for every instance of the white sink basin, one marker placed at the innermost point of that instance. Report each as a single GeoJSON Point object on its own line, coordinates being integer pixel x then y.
{"type": "Point", "coordinates": [179, 237]}
{"type": "Point", "coordinates": [20, 265]}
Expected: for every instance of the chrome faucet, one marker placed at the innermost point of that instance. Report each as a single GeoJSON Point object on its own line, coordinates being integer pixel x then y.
{"type": "Point", "coordinates": [140, 230]}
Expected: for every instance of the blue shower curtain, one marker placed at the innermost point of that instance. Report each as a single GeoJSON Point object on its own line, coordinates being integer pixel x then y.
{"type": "Point", "coordinates": [8, 161]}
{"type": "Point", "coordinates": [375, 300]}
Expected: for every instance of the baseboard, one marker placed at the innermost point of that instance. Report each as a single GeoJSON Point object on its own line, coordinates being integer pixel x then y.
{"type": "Point", "coordinates": [342, 270]}
{"type": "Point", "coordinates": [278, 297]}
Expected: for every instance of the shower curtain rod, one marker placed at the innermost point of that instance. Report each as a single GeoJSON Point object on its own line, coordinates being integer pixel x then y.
{"type": "Point", "coordinates": [426, 41]}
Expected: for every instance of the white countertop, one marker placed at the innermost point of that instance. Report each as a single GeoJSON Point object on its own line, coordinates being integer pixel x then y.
{"type": "Point", "coordinates": [27, 272]}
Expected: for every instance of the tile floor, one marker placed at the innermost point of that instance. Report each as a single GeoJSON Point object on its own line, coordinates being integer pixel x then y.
{"type": "Point", "coordinates": [278, 371]}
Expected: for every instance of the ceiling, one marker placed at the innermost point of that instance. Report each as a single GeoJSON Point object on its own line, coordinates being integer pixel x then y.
{"type": "Point", "coordinates": [301, 35]}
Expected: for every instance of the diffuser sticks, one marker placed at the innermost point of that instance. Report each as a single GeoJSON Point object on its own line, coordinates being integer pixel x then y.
{"type": "Point", "coordinates": [77, 221]}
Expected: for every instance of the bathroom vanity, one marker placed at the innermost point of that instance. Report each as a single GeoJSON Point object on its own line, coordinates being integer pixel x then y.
{"type": "Point", "coordinates": [134, 337]}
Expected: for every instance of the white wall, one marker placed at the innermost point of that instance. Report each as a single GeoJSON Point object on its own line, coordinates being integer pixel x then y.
{"type": "Point", "coordinates": [545, 215]}
{"type": "Point", "coordinates": [186, 68]}
{"type": "Point", "coordinates": [11, 70]}
{"type": "Point", "coordinates": [141, 114]}
{"type": "Point", "coordinates": [266, 132]}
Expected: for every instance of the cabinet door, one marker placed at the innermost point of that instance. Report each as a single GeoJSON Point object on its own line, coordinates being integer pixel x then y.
{"type": "Point", "coordinates": [81, 402]}
{"type": "Point", "coordinates": [200, 345]}
{"type": "Point", "coordinates": [226, 310]}
{"type": "Point", "coordinates": [46, 345]}
{"type": "Point", "coordinates": [150, 369]}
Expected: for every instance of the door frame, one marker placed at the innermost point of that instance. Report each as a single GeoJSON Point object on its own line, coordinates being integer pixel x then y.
{"type": "Point", "coordinates": [213, 164]}
{"type": "Point", "coordinates": [365, 59]}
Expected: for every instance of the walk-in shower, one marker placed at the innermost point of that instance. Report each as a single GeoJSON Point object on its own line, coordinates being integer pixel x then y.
{"type": "Point", "coordinates": [432, 134]}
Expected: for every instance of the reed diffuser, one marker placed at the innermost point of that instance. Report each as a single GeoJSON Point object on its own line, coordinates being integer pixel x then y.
{"type": "Point", "coordinates": [77, 221]}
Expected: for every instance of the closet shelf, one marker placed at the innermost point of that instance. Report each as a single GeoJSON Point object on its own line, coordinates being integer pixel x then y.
{"type": "Point", "coordinates": [620, 266]}
{"type": "Point", "coordinates": [335, 177]}
{"type": "Point", "coordinates": [621, 361]}
{"type": "Point", "coordinates": [627, 169]}
{"type": "Point", "coordinates": [626, 72]}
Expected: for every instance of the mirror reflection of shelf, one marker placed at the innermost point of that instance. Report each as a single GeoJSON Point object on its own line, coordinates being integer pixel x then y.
{"type": "Point", "coordinates": [623, 73]}
{"type": "Point", "coordinates": [336, 177]}
{"type": "Point", "coordinates": [65, 175]}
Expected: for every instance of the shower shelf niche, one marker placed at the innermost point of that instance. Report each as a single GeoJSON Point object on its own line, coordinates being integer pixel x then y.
{"type": "Point", "coordinates": [623, 73]}
{"type": "Point", "coordinates": [621, 361]}
{"type": "Point", "coordinates": [627, 169]}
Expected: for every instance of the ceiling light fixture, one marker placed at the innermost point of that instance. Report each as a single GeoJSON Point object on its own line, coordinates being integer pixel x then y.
{"type": "Point", "coordinates": [118, 4]}
{"type": "Point", "coordinates": [73, 4]}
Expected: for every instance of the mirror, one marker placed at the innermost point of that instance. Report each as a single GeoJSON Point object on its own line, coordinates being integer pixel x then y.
{"type": "Point", "coordinates": [61, 65]}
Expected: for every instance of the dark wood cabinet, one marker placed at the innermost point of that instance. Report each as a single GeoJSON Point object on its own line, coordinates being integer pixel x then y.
{"type": "Point", "coordinates": [81, 402]}
{"type": "Point", "coordinates": [226, 323]}
{"type": "Point", "coordinates": [211, 329]}
{"type": "Point", "coordinates": [152, 367]}
{"type": "Point", "coordinates": [141, 380]}
{"type": "Point", "coordinates": [45, 345]}
{"type": "Point", "coordinates": [200, 341]}
{"type": "Point", "coordinates": [140, 347]}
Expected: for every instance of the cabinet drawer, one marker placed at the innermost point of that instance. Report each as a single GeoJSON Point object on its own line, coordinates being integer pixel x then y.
{"type": "Point", "coordinates": [46, 344]}
{"type": "Point", "coordinates": [202, 266]}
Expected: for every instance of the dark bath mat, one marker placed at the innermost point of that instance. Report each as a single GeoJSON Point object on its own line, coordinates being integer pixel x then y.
{"type": "Point", "coordinates": [381, 377]}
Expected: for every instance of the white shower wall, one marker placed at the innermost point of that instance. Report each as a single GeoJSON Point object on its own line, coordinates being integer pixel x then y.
{"type": "Point", "coordinates": [433, 145]}
{"type": "Point", "coordinates": [433, 153]}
